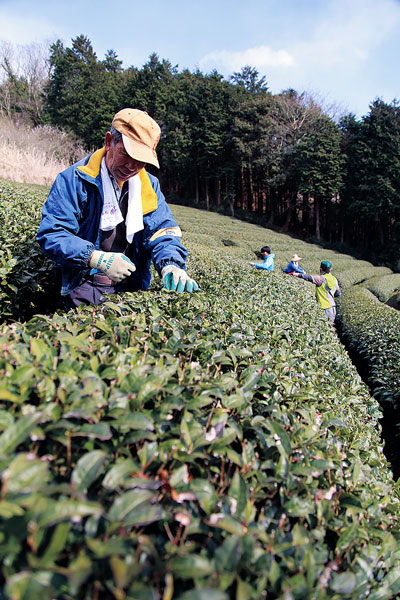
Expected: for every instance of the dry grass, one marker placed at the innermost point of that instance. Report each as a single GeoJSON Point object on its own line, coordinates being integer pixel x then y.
{"type": "Point", "coordinates": [35, 155]}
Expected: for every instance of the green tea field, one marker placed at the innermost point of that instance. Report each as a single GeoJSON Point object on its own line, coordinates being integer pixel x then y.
{"type": "Point", "coordinates": [210, 446]}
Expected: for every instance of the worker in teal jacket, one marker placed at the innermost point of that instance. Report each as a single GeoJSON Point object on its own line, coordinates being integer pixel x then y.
{"type": "Point", "coordinates": [268, 260]}
{"type": "Point", "coordinates": [106, 218]}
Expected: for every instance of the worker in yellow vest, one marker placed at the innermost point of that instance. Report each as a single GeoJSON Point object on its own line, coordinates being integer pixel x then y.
{"type": "Point", "coordinates": [327, 288]}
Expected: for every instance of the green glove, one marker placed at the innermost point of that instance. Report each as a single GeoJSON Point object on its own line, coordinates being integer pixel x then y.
{"type": "Point", "coordinates": [176, 279]}
{"type": "Point", "coordinates": [115, 265]}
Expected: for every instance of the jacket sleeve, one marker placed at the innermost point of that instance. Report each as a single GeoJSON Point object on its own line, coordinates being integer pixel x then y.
{"type": "Point", "coordinates": [265, 265]}
{"type": "Point", "coordinates": [291, 268]}
{"type": "Point", "coordinates": [162, 235]}
{"type": "Point", "coordinates": [297, 269]}
{"type": "Point", "coordinates": [338, 291]}
{"type": "Point", "coordinates": [315, 279]}
{"type": "Point", "coordinates": [62, 211]}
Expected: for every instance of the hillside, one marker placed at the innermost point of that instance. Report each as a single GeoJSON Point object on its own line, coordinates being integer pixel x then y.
{"type": "Point", "coordinates": [192, 447]}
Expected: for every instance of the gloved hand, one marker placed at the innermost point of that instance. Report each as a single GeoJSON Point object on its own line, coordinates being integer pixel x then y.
{"type": "Point", "coordinates": [115, 265]}
{"type": "Point", "coordinates": [177, 279]}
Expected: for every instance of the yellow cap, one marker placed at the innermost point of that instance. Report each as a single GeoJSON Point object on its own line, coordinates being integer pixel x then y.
{"type": "Point", "coordinates": [140, 134]}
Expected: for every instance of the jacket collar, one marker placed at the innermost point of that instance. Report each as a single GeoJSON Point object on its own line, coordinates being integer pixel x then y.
{"type": "Point", "coordinates": [92, 171]}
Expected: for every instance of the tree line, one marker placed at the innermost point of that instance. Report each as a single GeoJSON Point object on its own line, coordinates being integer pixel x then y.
{"type": "Point", "coordinates": [230, 144]}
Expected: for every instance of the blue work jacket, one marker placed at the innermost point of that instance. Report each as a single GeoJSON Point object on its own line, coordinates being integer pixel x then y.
{"type": "Point", "coordinates": [293, 267]}
{"type": "Point", "coordinates": [70, 227]}
{"type": "Point", "coordinates": [267, 264]}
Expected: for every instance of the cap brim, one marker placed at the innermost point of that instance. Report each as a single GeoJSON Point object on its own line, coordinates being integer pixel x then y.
{"type": "Point", "coordinates": [140, 151]}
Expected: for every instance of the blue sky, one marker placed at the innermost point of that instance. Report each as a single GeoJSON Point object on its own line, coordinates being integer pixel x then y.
{"type": "Point", "coordinates": [344, 52]}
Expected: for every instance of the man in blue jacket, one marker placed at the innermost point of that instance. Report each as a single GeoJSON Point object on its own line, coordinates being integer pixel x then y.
{"type": "Point", "coordinates": [293, 266]}
{"type": "Point", "coordinates": [106, 218]}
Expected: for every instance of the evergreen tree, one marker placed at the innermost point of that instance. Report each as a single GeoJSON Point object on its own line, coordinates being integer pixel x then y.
{"type": "Point", "coordinates": [292, 115]}
{"type": "Point", "coordinates": [318, 162]}
{"type": "Point", "coordinates": [83, 93]}
{"type": "Point", "coordinates": [249, 79]}
{"type": "Point", "coordinates": [151, 88]}
{"type": "Point", "coordinates": [373, 174]}
{"type": "Point", "coordinates": [252, 136]}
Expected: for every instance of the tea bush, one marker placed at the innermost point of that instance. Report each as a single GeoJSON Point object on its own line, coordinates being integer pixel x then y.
{"type": "Point", "coordinates": [205, 443]}
{"type": "Point", "coordinates": [394, 301]}
{"type": "Point", "coordinates": [27, 279]}
{"type": "Point", "coordinates": [215, 230]}
{"type": "Point", "coordinates": [356, 272]}
{"type": "Point", "coordinates": [210, 446]}
{"type": "Point", "coordinates": [30, 284]}
{"type": "Point", "coordinates": [373, 331]}
{"type": "Point", "coordinates": [383, 287]}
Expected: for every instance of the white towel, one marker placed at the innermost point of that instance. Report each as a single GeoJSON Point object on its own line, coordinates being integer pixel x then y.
{"type": "Point", "coordinates": [134, 216]}
{"type": "Point", "coordinates": [111, 215]}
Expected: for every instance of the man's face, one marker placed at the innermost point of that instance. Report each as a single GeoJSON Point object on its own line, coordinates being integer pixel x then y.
{"type": "Point", "coordinates": [119, 163]}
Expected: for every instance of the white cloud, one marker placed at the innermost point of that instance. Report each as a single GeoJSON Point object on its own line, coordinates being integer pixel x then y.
{"type": "Point", "coordinates": [261, 57]}
{"type": "Point", "coordinates": [348, 33]}
{"type": "Point", "coordinates": [343, 35]}
{"type": "Point", "coordinates": [345, 50]}
{"type": "Point", "coordinates": [24, 29]}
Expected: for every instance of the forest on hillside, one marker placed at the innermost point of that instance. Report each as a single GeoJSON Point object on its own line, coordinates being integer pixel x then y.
{"type": "Point", "coordinates": [229, 145]}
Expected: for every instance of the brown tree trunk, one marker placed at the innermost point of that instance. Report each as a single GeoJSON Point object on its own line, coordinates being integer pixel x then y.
{"type": "Point", "coordinates": [218, 191]}
{"type": "Point", "coordinates": [196, 182]}
{"type": "Point", "coordinates": [244, 189]}
{"type": "Point", "coordinates": [252, 203]}
{"type": "Point", "coordinates": [289, 213]}
{"type": "Point", "coordinates": [317, 205]}
{"type": "Point", "coordinates": [207, 196]}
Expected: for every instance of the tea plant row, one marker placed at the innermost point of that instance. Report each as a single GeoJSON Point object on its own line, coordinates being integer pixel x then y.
{"type": "Point", "coordinates": [210, 446]}
{"type": "Point", "coordinates": [384, 287]}
{"type": "Point", "coordinates": [26, 279]}
{"type": "Point", "coordinates": [372, 330]}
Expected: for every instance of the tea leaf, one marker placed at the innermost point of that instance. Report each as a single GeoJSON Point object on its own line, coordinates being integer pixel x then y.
{"type": "Point", "coordinates": [18, 432]}
{"type": "Point", "coordinates": [88, 469]}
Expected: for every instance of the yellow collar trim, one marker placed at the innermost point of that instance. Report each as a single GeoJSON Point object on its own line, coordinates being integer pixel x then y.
{"type": "Point", "coordinates": [92, 168]}
{"type": "Point", "coordinates": [149, 197]}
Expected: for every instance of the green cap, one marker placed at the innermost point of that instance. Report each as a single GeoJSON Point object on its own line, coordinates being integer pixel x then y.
{"type": "Point", "coordinates": [326, 263]}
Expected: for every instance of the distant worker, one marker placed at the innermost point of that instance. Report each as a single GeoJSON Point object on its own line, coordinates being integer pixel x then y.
{"type": "Point", "coordinates": [293, 266]}
{"type": "Point", "coordinates": [106, 219]}
{"type": "Point", "coordinates": [327, 288]}
{"type": "Point", "coordinates": [268, 262]}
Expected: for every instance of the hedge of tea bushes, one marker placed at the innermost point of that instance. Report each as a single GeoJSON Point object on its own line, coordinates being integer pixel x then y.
{"type": "Point", "coordinates": [373, 330]}
{"type": "Point", "coordinates": [29, 283]}
{"type": "Point", "coordinates": [27, 279]}
{"type": "Point", "coordinates": [394, 301]}
{"type": "Point", "coordinates": [285, 498]}
{"type": "Point", "coordinates": [241, 240]}
{"type": "Point", "coordinates": [352, 272]}
{"type": "Point", "coordinates": [210, 446]}
{"type": "Point", "coordinates": [383, 287]}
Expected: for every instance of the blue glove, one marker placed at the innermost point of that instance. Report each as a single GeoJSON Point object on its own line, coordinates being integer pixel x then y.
{"type": "Point", "coordinates": [176, 279]}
